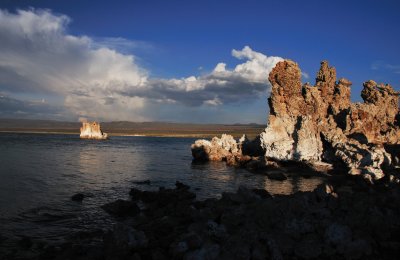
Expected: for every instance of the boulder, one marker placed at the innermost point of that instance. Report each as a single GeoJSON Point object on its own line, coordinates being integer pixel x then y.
{"type": "Point", "coordinates": [219, 149]}
{"type": "Point", "coordinates": [121, 208]}
{"type": "Point", "coordinates": [78, 197]}
{"type": "Point", "coordinates": [124, 237]}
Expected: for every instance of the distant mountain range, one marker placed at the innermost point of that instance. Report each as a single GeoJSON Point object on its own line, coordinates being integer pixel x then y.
{"type": "Point", "coordinates": [131, 128]}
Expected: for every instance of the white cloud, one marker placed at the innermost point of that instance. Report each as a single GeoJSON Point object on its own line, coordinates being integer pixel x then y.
{"type": "Point", "coordinates": [96, 78]}
{"type": "Point", "coordinates": [220, 68]}
{"type": "Point", "coordinates": [305, 75]}
{"type": "Point", "coordinates": [213, 102]}
{"type": "Point", "coordinates": [248, 80]}
{"type": "Point", "coordinates": [258, 66]}
{"type": "Point", "coordinates": [381, 65]}
{"type": "Point", "coordinates": [120, 44]}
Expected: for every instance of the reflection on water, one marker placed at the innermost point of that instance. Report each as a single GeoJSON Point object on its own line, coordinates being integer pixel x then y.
{"type": "Point", "coordinates": [39, 174]}
{"type": "Point", "coordinates": [89, 161]}
{"type": "Point", "coordinates": [291, 185]}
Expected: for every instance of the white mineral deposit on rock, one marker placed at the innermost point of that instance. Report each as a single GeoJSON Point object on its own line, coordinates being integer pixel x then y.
{"type": "Point", "coordinates": [91, 130]}
{"type": "Point", "coordinates": [319, 124]}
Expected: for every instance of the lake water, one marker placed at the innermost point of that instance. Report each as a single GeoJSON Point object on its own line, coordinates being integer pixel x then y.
{"type": "Point", "coordinates": [39, 173]}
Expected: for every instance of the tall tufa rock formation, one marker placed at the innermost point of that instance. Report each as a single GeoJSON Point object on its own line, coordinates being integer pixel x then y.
{"type": "Point", "coordinates": [91, 130]}
{"type": "Point", "coordinates": [320, 124]}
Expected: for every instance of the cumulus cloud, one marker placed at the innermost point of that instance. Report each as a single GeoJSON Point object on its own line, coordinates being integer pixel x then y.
{"type": "Point", "coordinates": [221, 86]}
{"type": "Point", "coordinates": [38, 56]}
{"type": "Point", "coordinates": [97, 78]}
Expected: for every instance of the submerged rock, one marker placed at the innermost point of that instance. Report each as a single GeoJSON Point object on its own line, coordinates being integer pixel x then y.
{"type": "Point", "coordinates": [78, 197]}
{"type": "Point", "coordinates": [25, 243]}
{"type": "Point", "coordinates": [319, 124]}
{"type": "Point", "coordinates": [92, 131]}
{"type": "Point", "coordinates": [145, 182]}
{"type": "Point", "coordinates": [121, 208]}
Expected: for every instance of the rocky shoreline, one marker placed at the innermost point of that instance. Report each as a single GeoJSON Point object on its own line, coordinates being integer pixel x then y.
{"type": "Point", "coordinates": [346, 218]}
{"type": "Point", "coordinates": [318, 125]}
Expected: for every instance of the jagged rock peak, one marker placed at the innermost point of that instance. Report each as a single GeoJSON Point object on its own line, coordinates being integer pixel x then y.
{"type": "Point", "coordinates": [326, 77]}
{"type": "Point", "coordinates": [286, 94]}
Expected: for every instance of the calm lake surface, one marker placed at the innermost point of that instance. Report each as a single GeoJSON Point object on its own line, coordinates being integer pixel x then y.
{"type": "Point", "coordinates": [39, 173]}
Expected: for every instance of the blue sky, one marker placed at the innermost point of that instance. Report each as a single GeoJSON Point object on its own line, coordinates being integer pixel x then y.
{"type": "Point", "coordinates": [174, 40]}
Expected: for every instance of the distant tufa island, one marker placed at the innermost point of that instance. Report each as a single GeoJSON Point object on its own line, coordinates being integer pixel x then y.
{"type": "Point", "coordinates": [91, 130]}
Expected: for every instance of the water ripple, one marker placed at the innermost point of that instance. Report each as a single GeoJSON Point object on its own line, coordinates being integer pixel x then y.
{"type": "Point", "coordinates": [39, 174]}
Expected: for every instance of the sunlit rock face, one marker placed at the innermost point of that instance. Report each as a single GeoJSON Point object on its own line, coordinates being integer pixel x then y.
{"type": "Point", "coordinates": [226, 149]}
{"type": "Point", "coordinates": [218, 149]}
{"type": "Point", "coordinates": [319, 123]}
{"type": "Point", "coordinates": [91, 130]}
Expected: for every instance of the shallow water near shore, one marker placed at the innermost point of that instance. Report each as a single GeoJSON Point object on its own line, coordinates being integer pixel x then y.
{"type": "Point", "coordinates": [39, 173]}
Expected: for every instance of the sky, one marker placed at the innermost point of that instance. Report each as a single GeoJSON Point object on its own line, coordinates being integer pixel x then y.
{"type": "Point", "coordinates": [182, 61]}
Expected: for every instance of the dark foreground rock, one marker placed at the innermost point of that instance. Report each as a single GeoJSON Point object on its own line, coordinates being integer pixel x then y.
{"type": "Point", "coordinates": [279, 176]}
{"type": "Point", "coordinates": [121, 208]}
{"type": "Point", "coordinates": [145, 182]}
{"type": "Point", "coordinates": [347, 219]}
{"type": "Point", "coordinates": [78, 197]}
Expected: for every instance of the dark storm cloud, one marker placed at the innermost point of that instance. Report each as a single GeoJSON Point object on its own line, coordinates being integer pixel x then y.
{"type": "Point", "coordinates": [11, 107]}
